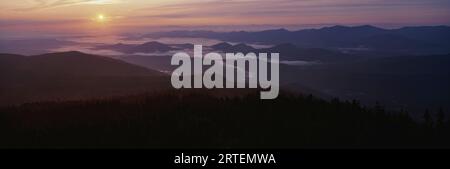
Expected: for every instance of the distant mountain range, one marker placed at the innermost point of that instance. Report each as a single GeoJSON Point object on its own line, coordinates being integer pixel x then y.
{"type": "Point", "coordinates": [414, 82]}
{"type": "Point", "coordinates": [149, 47]}
{"type": "Point", "coordinates": [399, 75]}
{"type": "Point", "coordinates": [359, 39]}
{"type": "Point", "coordinates": [288, 52]}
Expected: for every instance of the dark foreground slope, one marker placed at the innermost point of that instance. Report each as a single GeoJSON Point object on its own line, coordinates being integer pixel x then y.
{"type": "Point", "coordinates": [193, 120]}
{"type": "Point", "coordinates": [71, 75]}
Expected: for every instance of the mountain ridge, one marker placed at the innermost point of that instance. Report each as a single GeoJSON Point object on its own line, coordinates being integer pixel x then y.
{"type": "Point", "coordinates": [436, 38]}
{"type": "Point", "coordinates": [72, 75]}
{"type": "Point", "coordinates": [75, 63]}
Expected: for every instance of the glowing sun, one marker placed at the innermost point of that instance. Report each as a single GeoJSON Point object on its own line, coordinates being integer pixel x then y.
{"type": "Point", "coordinates": [101, 18]}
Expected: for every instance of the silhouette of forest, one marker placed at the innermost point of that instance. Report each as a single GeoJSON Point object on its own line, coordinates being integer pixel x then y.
{"type": "Point", "coordinates": [197, 119]}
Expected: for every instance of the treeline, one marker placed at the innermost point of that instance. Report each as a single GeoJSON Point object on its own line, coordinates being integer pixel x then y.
{"type": "Point", "coordinates": [201, 120]}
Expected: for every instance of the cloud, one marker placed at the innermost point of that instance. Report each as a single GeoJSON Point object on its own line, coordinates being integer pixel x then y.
{"type": "Point", "coordinates": [45, 4]}
{"type": "Point", "coordinates": [7, 23]}
{"type": "Point", "coordinates": [301, 11]}
{"type": "Point", "coordinates": [281, 7]}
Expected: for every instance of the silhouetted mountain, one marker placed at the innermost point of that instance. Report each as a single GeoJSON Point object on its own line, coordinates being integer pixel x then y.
{"type": "Point", "coordinates": [69, 75]}
{"type": "Point", "coordinates": [222, 46]}
{"type": "Point", "coordinates": [242, 47]}
{"type": "Point", "coordinates": [358, 39]}
{"type": "Point", "coordinates": [120, 47]}
{"type": "Point", "coordinates": [293, 53]}
{"type": "Point", "coordinates": [390, 80]}
{"type": "Point", "coordinates": [31, 46]}
{"type": "Point", "coordinates": [430, 65]}
{"type": "Point", "coordinates": [288, 52]}
{"type": "Point", "coordinates": [413, 82]}
{"type": "Point", "coordinates": [148, 47]}
{"type": "Point", "coordinates": [182, 46]}
{"type": "Point", "coordinates": [391, 42]}
{"type": "Point", "coordinates": [151, 47]}
{"type": "Point", "coordinates": [75, 64]}
{"type": "Point", "coordinates": [430, 34]}
{"type": "Point", "coordinates": [226, 47]}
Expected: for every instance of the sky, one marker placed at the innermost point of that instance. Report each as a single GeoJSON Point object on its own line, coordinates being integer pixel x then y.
{"type": "Point", "coordinates": [108, 16]}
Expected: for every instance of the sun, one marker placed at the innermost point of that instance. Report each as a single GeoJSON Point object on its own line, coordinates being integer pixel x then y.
{"type": "Point", "coordinates": [100, 18]}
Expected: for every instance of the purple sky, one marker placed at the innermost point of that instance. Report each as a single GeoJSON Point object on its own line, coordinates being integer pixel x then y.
{"type": "Point", "coordinates": [111, 16]}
